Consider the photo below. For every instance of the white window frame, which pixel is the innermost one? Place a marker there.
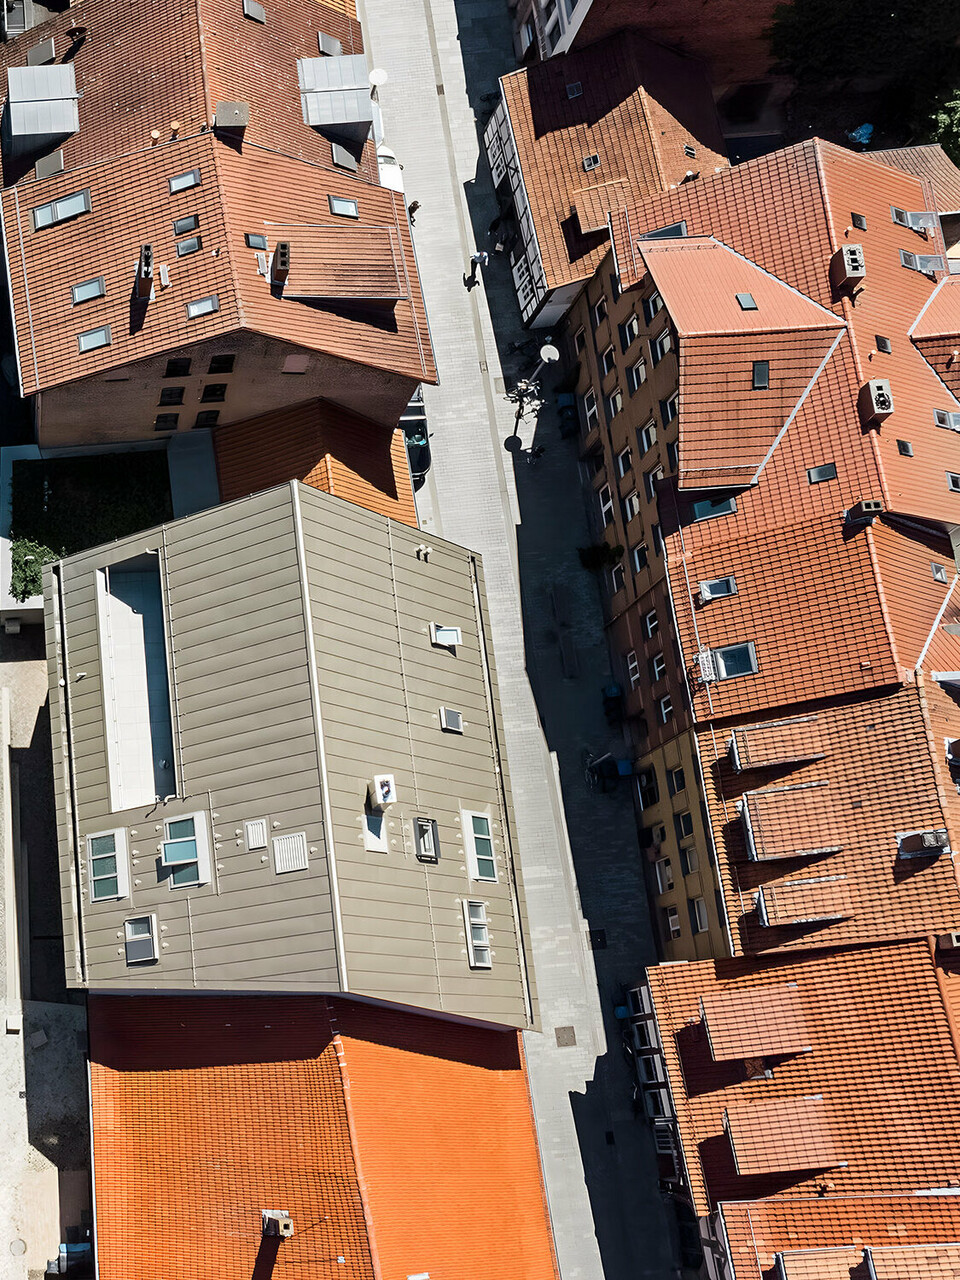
(479, 954)
(672, 785)
(635, 556)
(608, 360)
(698, 915)
(94, 339)
(664, 870)
(631, 506)
(660, 345)
(470, 845)
(671, 407)
(682, 832)
(674, 927)
(426, 834)
(617, 578)
(78, 294)
(201, 838)
(184, 181)
(633, 668)
(714, 588)
(343, 207)
(652, 306)
(62, 209)
(120, 854)
(665, 708)
(599, 312)
(444, 636)
(689, 862)
(606, 504)
(580, 341)
(207, 306)
(591, 412)
(614, 403)
(651, 623)
(624, 461)
(648, 436)
(659, 666)
(153, 935)
(638, 374)
(953, 481)
(719, 660)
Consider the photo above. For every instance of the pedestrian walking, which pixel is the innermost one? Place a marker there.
(479, 259)
(412, 211)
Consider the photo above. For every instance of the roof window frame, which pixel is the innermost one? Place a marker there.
(197, 308)
(185, 181)
(57, 214)
(90, 334)
(90, 297)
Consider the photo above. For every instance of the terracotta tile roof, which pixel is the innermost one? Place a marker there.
(903, 1227)
(790, 821)
(885, 770)
(256, 188)
(323, 445)
(593, 204)
(769, 1135)
(209, 1109)
(883, 1066)
(932, 163)
(749, 1024)
(777, 742)
(639, 107)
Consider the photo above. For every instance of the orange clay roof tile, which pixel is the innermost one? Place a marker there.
(350, 1118)
(791, 821)
(883, 1064)
(323, 445)
(932, 163)
(748, 1024)
(901, 1230)
(639, 106)
(777, 742)
(886, 772)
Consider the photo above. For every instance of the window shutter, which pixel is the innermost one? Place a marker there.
(290, 853)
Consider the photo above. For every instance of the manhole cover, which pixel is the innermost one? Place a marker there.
(566, 1036)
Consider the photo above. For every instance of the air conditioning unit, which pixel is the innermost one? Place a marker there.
(947, 418)
(276, 1222)
(849, 265)
(864, 511)
(949, 941)
(922, 844)
(876, 400)
(919, 221)
(383, 790)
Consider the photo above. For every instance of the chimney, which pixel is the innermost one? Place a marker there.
(145, 271)
(280, 268)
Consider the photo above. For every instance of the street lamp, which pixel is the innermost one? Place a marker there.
(548, 355)
(377, 77)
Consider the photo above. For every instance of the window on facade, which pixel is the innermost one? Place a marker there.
(707, 508)
(688, 860)
(953, 481)
(615, 290)
(659, 346)
(658, 667)
(666, 708)
(735, 660)
(651, 306)
(222, 364)
(178, 367)
(605, 498)
(599, 312)
(214, 393)
(608, 361)
(478, 935)
(617, 578)
(481, 861)
(761, 375)
(184, 851)
(107, 861)
(638, 557)
(673, 454)
(166, 421)
(171, 395)
(651, 623)
(648, 792)
(87, 290)
(428, 840)
(579, 341)
(817, 475)
(633, 668)
(676, 781)
(93, 339)
(647, 437)
(669, 409)
(614, 403)
(671, 919)
(683, 824)
(184, 181)
(207, 418)
(638, 375)
(656, 537)
(631, 506)
(591, 415)
(140, 939)
(698, 915)
(629, 332)
(650, 479)
(66, 207)
(623, 461)
(342, 207)
(664, 875)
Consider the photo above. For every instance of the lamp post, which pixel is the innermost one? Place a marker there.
(526, 390)
(548, 355)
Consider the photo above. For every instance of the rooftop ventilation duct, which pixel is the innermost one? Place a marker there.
(335, 96)
(41, 107)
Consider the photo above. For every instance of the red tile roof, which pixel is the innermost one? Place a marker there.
(931, 163)
(748, 1024)
(883, 1068)
(639, 107)
(207, 1110)
(279, 180)
(323, 445)
(902, 1230)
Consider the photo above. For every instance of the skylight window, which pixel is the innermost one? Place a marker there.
(590, 162)
(251, 9)
(905, 448)
(953, 481)
(747, 302)
(884, 345)
(816, 475)
(926, 263)
(182, 225)
(254, 240)
(939, 572)
(574, 90)
(690, 151)
(71, 206)
(858, 221)
(192, 244)
(343, 207)
(203, 306)
(88, 289)
(94, 338)
(761, 375)
(184, 181)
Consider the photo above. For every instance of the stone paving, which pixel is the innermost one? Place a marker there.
(442, 58)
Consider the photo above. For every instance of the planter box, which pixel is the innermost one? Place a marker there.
(30, 611)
